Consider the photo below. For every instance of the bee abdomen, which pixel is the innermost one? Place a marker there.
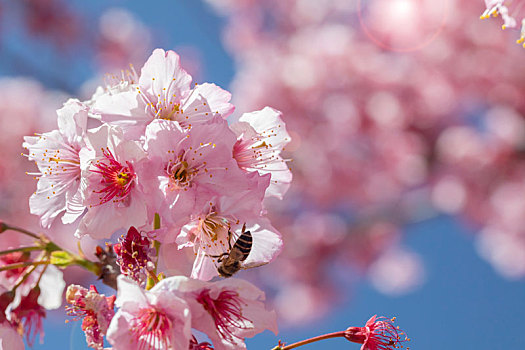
(244, 244)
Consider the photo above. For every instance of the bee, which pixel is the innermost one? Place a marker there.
(231, 261)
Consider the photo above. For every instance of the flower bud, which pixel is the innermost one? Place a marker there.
(378, 333)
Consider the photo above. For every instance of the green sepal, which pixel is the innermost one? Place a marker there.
(61, 258)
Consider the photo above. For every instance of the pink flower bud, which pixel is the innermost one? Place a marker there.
(379, 333)
(95, 310)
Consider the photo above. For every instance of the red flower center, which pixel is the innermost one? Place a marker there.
(152, 328)
(117, 179)
(226, 311)
(133, 254)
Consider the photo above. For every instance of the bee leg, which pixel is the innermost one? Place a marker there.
(252, 265)
(218, 257)
(229, 240)
(221, 257)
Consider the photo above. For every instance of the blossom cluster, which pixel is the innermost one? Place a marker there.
(26, 292)
(164, 316)
(151, 145)
(153, 157)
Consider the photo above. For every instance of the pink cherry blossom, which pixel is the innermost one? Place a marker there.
(163, 92)
(227, 311)
(261, 136)
(30, 313)
(379, 333)
(215, 229)
(10, 276)
(95, 310)
(50, 282)
(154, 319)
(188, 167)
(113, 85)
(56, 154)
(111, 191)
(55, 21)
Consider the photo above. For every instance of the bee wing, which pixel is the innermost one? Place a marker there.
(252, 265)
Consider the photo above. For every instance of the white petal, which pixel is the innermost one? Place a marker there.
(268, 123)
(74, 207)
(217, 99)
(118, 333)
(267, 242)
(51, 288)
(47, 202)
(281, 178)
(72, 119)
(102, 221)
(124, 108)
(203, 267)
(129, 291)
(161, 71)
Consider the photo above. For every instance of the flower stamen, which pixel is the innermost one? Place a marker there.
(116, 178)
(151, 329)
(226, 311)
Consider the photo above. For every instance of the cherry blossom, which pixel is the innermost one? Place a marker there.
(154, 319)
(215, 229)
(50, 281)
(227, 311)
(123, 39)
(27, 294)
(114, 85)
(261, 136)
(9, 336)
(162, 154)
(56, 154)
(111, 191)
(375, 141)
(163, 92)
(188, 167)
(95, 310)
(19, 116)
(379, 333)
(29, 313)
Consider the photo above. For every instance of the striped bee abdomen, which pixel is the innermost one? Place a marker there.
(244, 244)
